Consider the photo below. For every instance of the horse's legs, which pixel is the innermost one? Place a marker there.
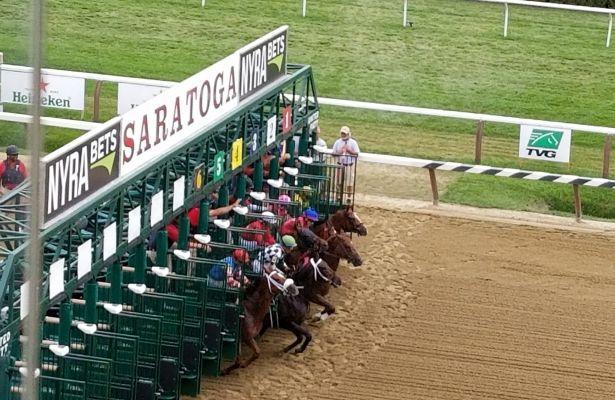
(291, 326)
(256, 352)
(238, 363)
(329, 308)
(306, 333)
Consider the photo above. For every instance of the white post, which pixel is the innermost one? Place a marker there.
(505, 19)
(304, 7)
(405, 13)
(608, 35)
(203, 3)
(1, 62)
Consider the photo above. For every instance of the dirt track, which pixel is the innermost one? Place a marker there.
(448, 308)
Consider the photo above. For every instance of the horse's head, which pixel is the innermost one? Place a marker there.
(354, 222)
(341, 246)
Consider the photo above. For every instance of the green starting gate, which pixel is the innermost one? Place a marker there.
(138, 326)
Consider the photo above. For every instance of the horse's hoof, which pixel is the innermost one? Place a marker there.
(324, 316)
(298, 351)
(317, 316)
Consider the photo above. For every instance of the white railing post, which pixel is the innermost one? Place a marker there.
(505, 19)
(202, 3)
(1, 62)
(608, 35)
(405, 22)
(304, 8)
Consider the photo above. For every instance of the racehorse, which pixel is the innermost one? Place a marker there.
(315, 278)
(256, 304)
(346, 220)
(341, 248)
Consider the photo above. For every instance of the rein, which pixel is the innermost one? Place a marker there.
(317, 272)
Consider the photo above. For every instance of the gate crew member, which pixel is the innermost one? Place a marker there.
(12, 170)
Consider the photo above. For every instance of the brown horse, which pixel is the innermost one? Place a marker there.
(256, 305)
(315, 279)
(346, 220)
(341, 248)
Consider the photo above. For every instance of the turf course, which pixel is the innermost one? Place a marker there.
(553, 66)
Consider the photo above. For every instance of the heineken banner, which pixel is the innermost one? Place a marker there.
(543, 143)
(80, 169)
(57, 91)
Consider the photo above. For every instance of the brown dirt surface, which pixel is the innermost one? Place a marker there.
(454, 308)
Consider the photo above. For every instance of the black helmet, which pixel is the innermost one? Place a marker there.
(11, 150)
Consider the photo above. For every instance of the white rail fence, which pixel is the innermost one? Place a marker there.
(480, 119)
(556, 6)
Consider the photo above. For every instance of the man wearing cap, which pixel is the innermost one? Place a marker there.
(273, 256)
(12, 170)
(293, 225)
(346, 150)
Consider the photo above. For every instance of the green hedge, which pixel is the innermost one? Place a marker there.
(588, 3)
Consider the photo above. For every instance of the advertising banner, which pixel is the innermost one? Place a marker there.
(56, 91)
(78, 170)
(262, 62)
(130, 95)
(178, 114)
(543, 143)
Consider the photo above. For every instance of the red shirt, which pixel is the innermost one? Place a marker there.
(17, 166)
(193, 216)
(265, 239)
(172, 232)
(290, 226)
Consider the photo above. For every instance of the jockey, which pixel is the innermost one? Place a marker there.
(232, 265)
(280, 209)
(293, 225)
(273, 256)
(252, 240)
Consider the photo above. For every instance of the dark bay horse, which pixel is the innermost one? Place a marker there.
(315, 279)
(256, 304)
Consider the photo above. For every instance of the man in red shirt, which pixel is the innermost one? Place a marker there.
(12, 170)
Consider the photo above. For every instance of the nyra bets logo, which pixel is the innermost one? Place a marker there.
(544, 143)
(262, 64)
(81, 170)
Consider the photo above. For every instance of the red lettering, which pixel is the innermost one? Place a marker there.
(190, 95)
(231, 86)
(177, 119)
(204, 111)
(161, 115)
(129, 143)
(218, 99)
(144, 136)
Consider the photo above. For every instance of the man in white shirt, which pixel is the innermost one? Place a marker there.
(346, 150)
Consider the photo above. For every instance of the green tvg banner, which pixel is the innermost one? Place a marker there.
(545, 143)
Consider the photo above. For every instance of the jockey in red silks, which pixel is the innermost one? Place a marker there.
(304, 221)
(259, 239)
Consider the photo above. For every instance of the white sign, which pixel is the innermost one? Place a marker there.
(131, 95)
(271, 129)
(56, 278)
(156, 212)
(134, 223)
(178, 192)
(56, 91)
(24, 307)
(151, 129)
(109, 241)
(84, 259)
(544, 143)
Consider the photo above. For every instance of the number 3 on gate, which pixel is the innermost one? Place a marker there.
(237, 153)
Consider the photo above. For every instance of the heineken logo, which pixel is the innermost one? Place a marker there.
(544, 143)
(76, 173)
(47, 101)
(262, 64)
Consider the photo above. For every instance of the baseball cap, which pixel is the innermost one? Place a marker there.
(345, 130)
(289, 241)
(241, 255)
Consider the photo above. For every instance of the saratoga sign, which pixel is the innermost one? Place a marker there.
(184, 110)
(56, 91)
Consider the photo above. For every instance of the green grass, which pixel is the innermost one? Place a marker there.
(553, 66)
